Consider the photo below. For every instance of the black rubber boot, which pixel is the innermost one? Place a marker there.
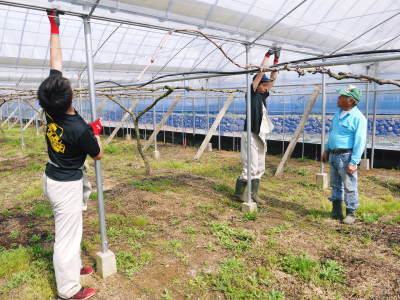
(255, 185)
(337, 212)
(239, 189)
(350, 217)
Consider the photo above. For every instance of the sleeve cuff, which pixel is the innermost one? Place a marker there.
(354, 162)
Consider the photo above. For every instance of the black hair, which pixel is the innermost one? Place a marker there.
(55, 95)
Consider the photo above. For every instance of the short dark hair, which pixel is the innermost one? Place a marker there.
(55, 95)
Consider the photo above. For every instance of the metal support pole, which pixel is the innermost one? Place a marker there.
(194, 118)
(20, 124)
(154, 127)
(163, 110)
(183, 120)
(233, 131)
(374, 128)
(207, 107)
(144, 124)
(219, 126)
(80, 96)
(283, 126)
(367, 112)
(302, 144)
(323, 119)
(92, 93)
(249, 200)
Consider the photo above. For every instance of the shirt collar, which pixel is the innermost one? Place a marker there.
(350, 112)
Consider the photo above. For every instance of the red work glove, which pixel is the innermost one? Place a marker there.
(54, 21)
(96, 127)
(277, 55)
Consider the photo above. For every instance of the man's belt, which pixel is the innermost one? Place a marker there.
(340, 151)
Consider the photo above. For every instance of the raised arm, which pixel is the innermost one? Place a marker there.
(274, 75)
(264, 62)
(55, 45)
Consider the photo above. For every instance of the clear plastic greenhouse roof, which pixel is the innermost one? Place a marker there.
(141, 44)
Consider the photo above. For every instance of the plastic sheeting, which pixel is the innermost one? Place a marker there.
(315, 27)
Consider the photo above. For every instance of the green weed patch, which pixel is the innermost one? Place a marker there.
(309, 269)
(230, 238)
(235, 281)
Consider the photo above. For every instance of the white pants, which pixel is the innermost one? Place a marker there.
(258, 149)
(66, 199)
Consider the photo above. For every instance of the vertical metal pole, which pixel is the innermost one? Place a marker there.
(323, 119)
(302, 145)
(233, 131)
(128, 122)
(80, 96)
(154, 126)
(374, 128)
(207, 107)
(145, 123)
(367, 112)
(219, 126)
(194, 118)
(248, 100)
(183, 119)
(163, 110)
(283, 125)
(92, 93)
(183, 128)
(20, 124)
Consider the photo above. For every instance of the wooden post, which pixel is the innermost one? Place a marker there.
(126, 115)
(32, 106)
(13, 123)
(298, 131)
(30, 121)
(162, 123)
(9, 116)
(214, 126)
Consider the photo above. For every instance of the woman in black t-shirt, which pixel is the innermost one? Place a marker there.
(69, 140)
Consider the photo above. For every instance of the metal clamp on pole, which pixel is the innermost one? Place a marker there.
(105, 260)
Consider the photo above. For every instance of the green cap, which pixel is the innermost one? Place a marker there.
(352, 92)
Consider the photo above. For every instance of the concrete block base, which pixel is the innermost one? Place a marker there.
(156, 155)
(364, 165)
(249, 207)
(209, 147)
(128, 137)
(322, 180)
(106, 264)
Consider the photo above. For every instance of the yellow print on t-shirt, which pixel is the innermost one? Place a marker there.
(54, 134)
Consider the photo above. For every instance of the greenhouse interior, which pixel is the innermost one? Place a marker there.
(128, 169)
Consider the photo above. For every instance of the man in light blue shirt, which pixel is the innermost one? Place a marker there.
(344, 148)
